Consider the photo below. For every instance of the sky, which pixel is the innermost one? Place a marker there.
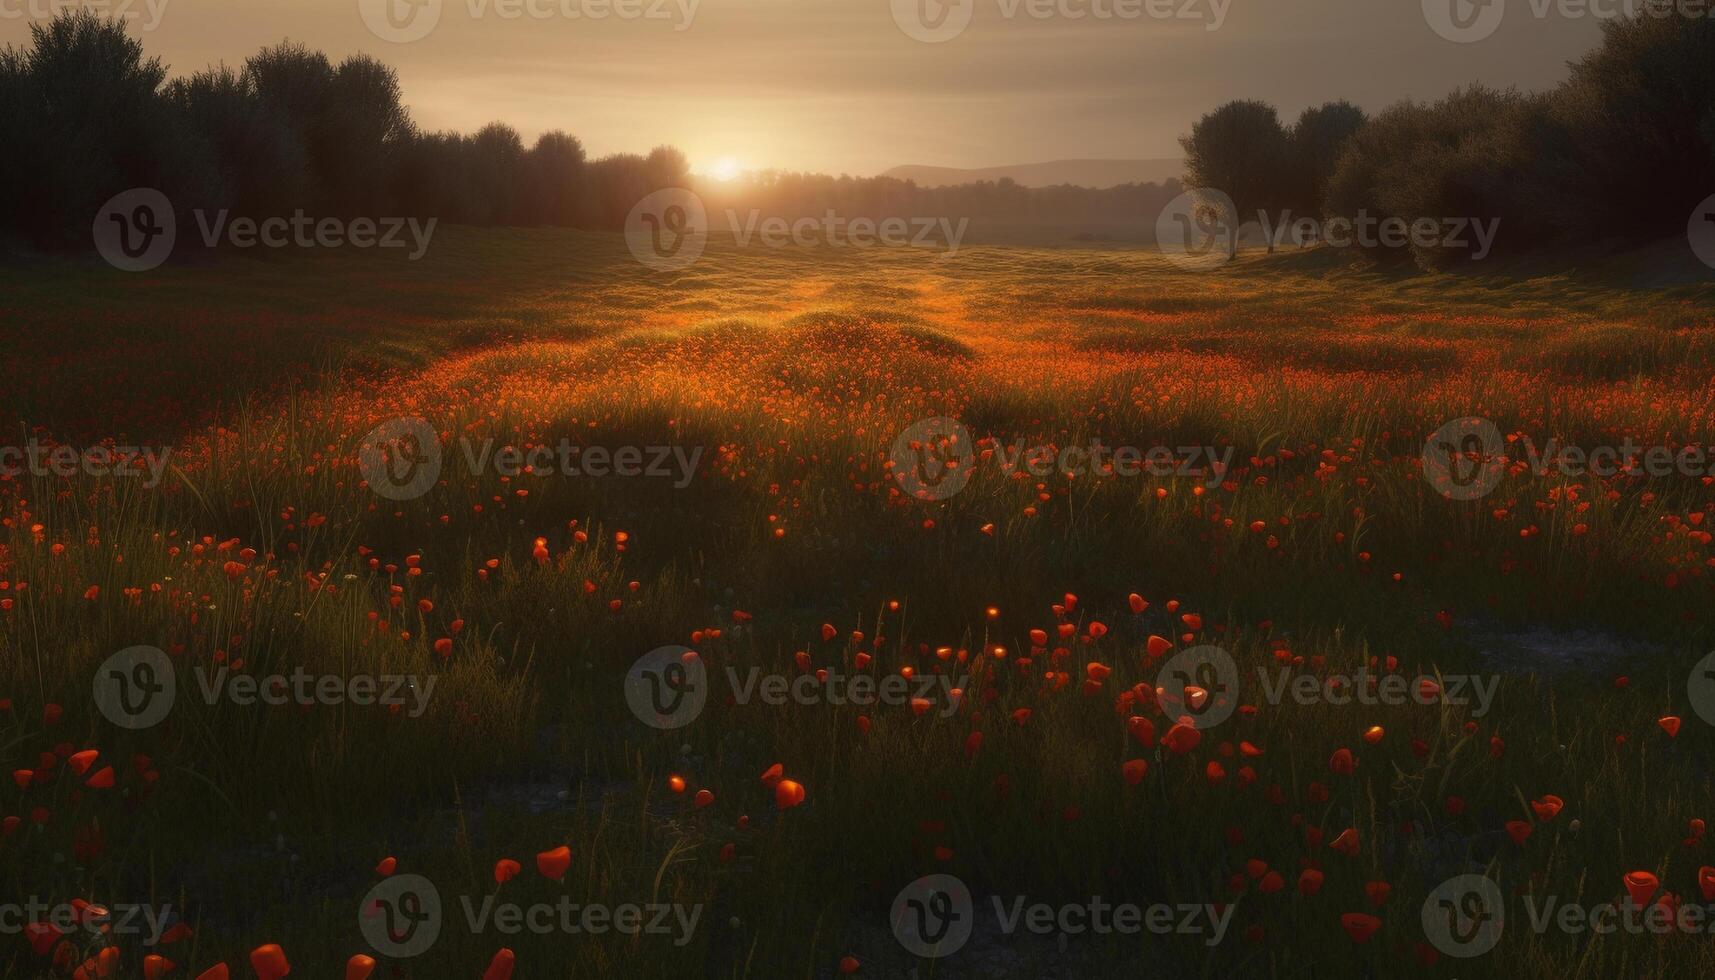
(851, 86)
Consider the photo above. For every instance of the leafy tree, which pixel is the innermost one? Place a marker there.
(1242, 150)
(1318, 139)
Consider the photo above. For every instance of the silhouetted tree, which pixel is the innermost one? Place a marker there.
(1318, 139)
(87, 124)
(1242, 150)
(556, 179)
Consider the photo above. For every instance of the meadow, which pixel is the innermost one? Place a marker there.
(1052, 601)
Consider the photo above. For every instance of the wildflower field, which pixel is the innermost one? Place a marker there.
(1286, 683)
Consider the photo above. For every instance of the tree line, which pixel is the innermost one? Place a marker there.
(1621, 152)
(88, 114)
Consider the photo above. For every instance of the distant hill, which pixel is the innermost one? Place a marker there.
(1083, 173)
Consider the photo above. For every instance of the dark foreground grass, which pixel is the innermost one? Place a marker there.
(1323, 552)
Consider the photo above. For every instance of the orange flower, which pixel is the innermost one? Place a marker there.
(500, 968)
(1360, 926)
(1342, 763)
(1640, 885)
(359, 967)
(1133, 771)
(1181, 738)
(1547, 808)
(269, 962)
(788, 794)
(1346, 843)
(554, 864)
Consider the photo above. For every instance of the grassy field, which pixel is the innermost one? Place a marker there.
(1054, 603)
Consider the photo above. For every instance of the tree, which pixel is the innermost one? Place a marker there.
(1632, 130)
(1318, 139)
(357, 135)
(556, 167)
(291, 86)
(89, 124)
(1241, 150)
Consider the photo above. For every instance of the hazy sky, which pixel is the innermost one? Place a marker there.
(838, 86)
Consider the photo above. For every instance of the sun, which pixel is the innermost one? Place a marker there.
(724, 169)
